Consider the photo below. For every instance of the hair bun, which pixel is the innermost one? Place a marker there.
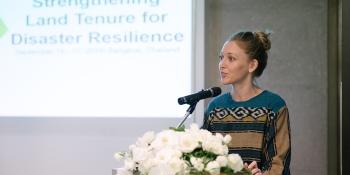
(263, 38)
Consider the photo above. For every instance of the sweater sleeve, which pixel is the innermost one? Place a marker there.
(278, 150)
(205, 121)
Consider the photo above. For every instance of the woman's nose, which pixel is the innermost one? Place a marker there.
(222, 63)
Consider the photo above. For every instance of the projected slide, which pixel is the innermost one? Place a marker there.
(95, 58)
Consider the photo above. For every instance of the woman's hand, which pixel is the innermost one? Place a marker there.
(253, 167)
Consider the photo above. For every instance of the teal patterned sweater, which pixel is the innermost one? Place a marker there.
(259, 128)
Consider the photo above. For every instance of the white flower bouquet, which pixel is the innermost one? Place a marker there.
(181, 151)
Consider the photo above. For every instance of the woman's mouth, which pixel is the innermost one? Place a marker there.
(223, 74)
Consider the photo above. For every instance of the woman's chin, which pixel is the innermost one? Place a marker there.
(225, 82)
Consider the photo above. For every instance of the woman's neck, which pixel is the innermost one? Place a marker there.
(244, 92)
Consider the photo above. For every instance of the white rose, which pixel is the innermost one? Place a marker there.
(222, 160)
(214, 144)
(176, 165)
(161, 169)
(146, 165)
(235, 162)
(195, 133)
(167, 138)
(219, 136)
(199, 166)
(224, 150)
(187, 143)
(194, 127)
(227, 139)
(197, 163)
(140, 154)
(129, 164)
(146, 139)
(122, 171)
(213, 168)
(204, 135)
(209, 144)
(166, 154)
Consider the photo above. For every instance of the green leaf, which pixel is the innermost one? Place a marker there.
(199, 153)
(179, 129)
(226, 170)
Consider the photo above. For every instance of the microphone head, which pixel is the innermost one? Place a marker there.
(215, 91)
(194, 98)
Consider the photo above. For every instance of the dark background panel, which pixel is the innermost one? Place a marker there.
(346, 85)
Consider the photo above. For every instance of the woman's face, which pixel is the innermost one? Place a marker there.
(235, 65)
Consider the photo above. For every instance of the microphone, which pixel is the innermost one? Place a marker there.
(203, 94)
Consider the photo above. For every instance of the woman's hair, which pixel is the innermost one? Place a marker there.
(256, 45)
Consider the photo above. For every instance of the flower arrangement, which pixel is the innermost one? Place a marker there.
(180, 151)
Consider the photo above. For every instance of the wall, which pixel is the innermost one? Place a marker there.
(297, 66)
(346, 85)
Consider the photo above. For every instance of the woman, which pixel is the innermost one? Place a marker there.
(256, 119)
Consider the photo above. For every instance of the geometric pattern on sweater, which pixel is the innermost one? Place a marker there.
(241, 112)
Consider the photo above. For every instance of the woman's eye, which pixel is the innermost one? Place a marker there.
(231, 58)
(221, 57)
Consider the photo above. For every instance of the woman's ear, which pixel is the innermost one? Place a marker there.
(253, 64)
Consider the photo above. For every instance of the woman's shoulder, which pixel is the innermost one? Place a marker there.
(274, 100)
(220, 100)
(274, 96)
(266, 98)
